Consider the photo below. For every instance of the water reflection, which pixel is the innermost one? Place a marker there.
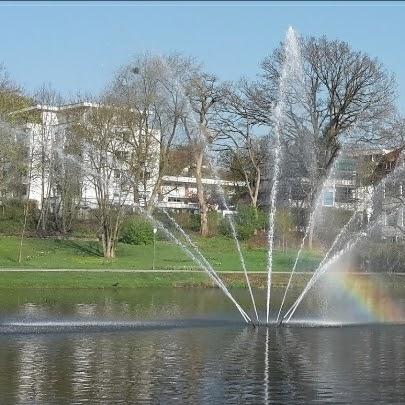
(210, 363)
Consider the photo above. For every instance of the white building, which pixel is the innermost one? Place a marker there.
(47, 133)
(179, 192)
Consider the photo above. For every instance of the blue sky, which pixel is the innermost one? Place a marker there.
(78, 46)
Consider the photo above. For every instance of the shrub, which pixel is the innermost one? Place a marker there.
(137, 231)
(213, 223)
(195, 222)
(12, 216)
(13, 209)
(188, 221)
(262, 219)
(246, 222)
(224, 227)
(381, 257)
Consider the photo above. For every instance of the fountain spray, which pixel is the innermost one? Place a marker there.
(290, 68)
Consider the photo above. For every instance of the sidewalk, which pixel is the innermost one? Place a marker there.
(171, 271)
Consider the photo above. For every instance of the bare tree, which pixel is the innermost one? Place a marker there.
(176, 70)
(342, 90)
(28, 179)
(151, 94)
(242, 150)
(101, 135)
(47, 136)
(180, 160)
(67, 180)
(203, 91)
(134, 89)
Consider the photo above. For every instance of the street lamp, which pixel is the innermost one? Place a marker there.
(154, 248)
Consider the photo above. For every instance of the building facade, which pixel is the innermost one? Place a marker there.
(46, 137)
(370, 181)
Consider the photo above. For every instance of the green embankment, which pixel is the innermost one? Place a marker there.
(86, 255)
(116, 279)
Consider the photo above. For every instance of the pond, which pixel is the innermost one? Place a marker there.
(190, 346)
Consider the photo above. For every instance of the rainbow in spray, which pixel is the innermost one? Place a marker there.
(370, 296)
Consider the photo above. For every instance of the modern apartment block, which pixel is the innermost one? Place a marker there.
(47, 132)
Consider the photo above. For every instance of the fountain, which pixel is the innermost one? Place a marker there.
(291, 73)
(328, 329)
(290, 78)
(291, 69)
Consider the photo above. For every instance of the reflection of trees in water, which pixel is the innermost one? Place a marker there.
(221, 365)
(149, 303)
(35, 370)
(31, 372)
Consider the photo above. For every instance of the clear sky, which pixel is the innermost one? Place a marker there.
(77, 46)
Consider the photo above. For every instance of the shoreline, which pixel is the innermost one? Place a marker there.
(100, 279)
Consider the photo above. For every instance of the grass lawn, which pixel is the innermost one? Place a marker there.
(118, 280)
(84, 254)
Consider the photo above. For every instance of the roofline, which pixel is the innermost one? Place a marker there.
(44, 107)
(192, 180)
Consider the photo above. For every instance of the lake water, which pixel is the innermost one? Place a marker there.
(190, 346)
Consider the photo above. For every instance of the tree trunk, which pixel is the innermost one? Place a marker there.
(108, 243)
(310, 234)
(23, 230)
(318, 186)
(255, 196)
(41, 222)
(151, 202)
(26, 208)
(200, 194)
(256, 217)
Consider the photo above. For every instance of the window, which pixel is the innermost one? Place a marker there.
(344, 194)
(345, 165)
(328, 198)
